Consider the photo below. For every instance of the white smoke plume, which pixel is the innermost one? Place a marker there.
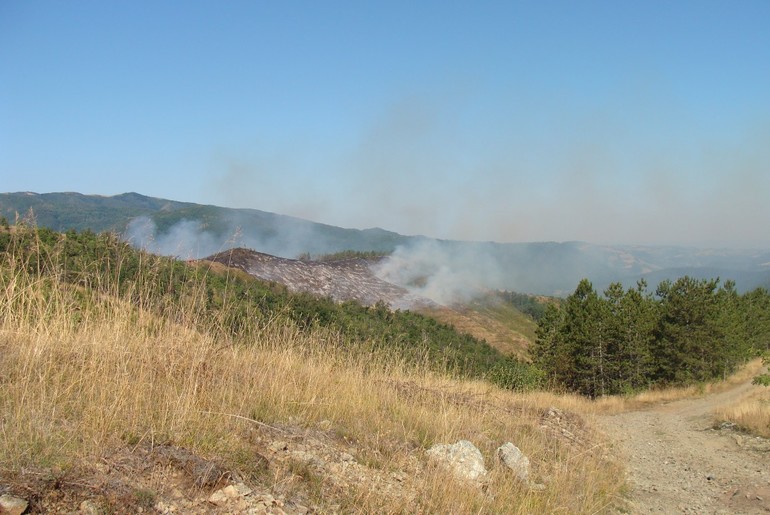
(445, 272)
(190, 239)
(186, 239)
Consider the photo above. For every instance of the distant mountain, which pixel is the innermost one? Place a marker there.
(435, 269)
(191, 230)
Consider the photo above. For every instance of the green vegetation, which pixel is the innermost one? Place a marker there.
(66, 211)
(527, 304)
(764, 378)
(691, 331)
(241, 305)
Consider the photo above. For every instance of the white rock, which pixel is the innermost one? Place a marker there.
(463, 458)
(514, 459)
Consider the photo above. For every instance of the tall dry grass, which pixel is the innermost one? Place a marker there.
(84, 372)
(751, 414)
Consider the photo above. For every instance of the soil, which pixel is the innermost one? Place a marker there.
(680, 461)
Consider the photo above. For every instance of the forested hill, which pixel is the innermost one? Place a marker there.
(212, 228)
(189, 230)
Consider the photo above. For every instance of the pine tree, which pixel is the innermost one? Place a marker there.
(688, 340)
(584, 337)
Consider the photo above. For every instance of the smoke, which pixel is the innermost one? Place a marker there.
(442, 271)
(277, 235)
(185, 239)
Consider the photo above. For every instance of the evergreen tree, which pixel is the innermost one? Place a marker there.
(688, 340)
(632, 317)
(584, 338)
(548, 351)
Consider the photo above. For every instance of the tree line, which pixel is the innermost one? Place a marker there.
(687, 331)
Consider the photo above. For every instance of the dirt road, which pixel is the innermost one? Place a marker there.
(678, 463)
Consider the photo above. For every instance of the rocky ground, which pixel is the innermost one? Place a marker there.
(292, 470)
(343, 280)
(678, 462)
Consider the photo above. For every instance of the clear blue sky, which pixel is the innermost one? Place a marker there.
(610, 122)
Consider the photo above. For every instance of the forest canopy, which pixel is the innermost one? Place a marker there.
(688, 331)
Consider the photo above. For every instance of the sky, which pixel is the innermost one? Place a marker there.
(618, 122)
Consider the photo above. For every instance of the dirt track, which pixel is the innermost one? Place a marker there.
(678, 463)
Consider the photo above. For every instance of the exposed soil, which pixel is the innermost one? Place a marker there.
(678, 462)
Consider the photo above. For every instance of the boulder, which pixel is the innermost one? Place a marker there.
(514, 459)
(462, 458)
(12, 505)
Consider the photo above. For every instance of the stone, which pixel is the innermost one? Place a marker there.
(231, 492)
(12, 505)
(512, 457)
(219, 498)
(463, 458)
(243, 490)
(88, 507)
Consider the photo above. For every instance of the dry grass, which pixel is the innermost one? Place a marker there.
(618, 403)
(80, 378)
(751, 413)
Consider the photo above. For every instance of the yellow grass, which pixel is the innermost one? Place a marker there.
(617, 403)
(78, 381)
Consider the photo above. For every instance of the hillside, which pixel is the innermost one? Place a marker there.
(191, 230)
(487, 318)
(342, 280)
(135, 383)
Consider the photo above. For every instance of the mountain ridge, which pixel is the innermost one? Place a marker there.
(190, 230)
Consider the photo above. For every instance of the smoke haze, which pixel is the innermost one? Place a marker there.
(441, 271)
(190, 239)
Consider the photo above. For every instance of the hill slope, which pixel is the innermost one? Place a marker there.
(487, 318)
(193, 231)
(132, 383)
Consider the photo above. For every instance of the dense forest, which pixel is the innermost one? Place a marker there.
(688, 331)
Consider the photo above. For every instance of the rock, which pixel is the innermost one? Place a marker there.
(219, 498)
(88, 507)
(243, 490)
(463, 458)
(162, 507)
(10, 505)
(514, 459)
(231, 492)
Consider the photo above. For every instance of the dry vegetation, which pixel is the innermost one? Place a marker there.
(86, 377)
(752, 413)
(503, 327)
